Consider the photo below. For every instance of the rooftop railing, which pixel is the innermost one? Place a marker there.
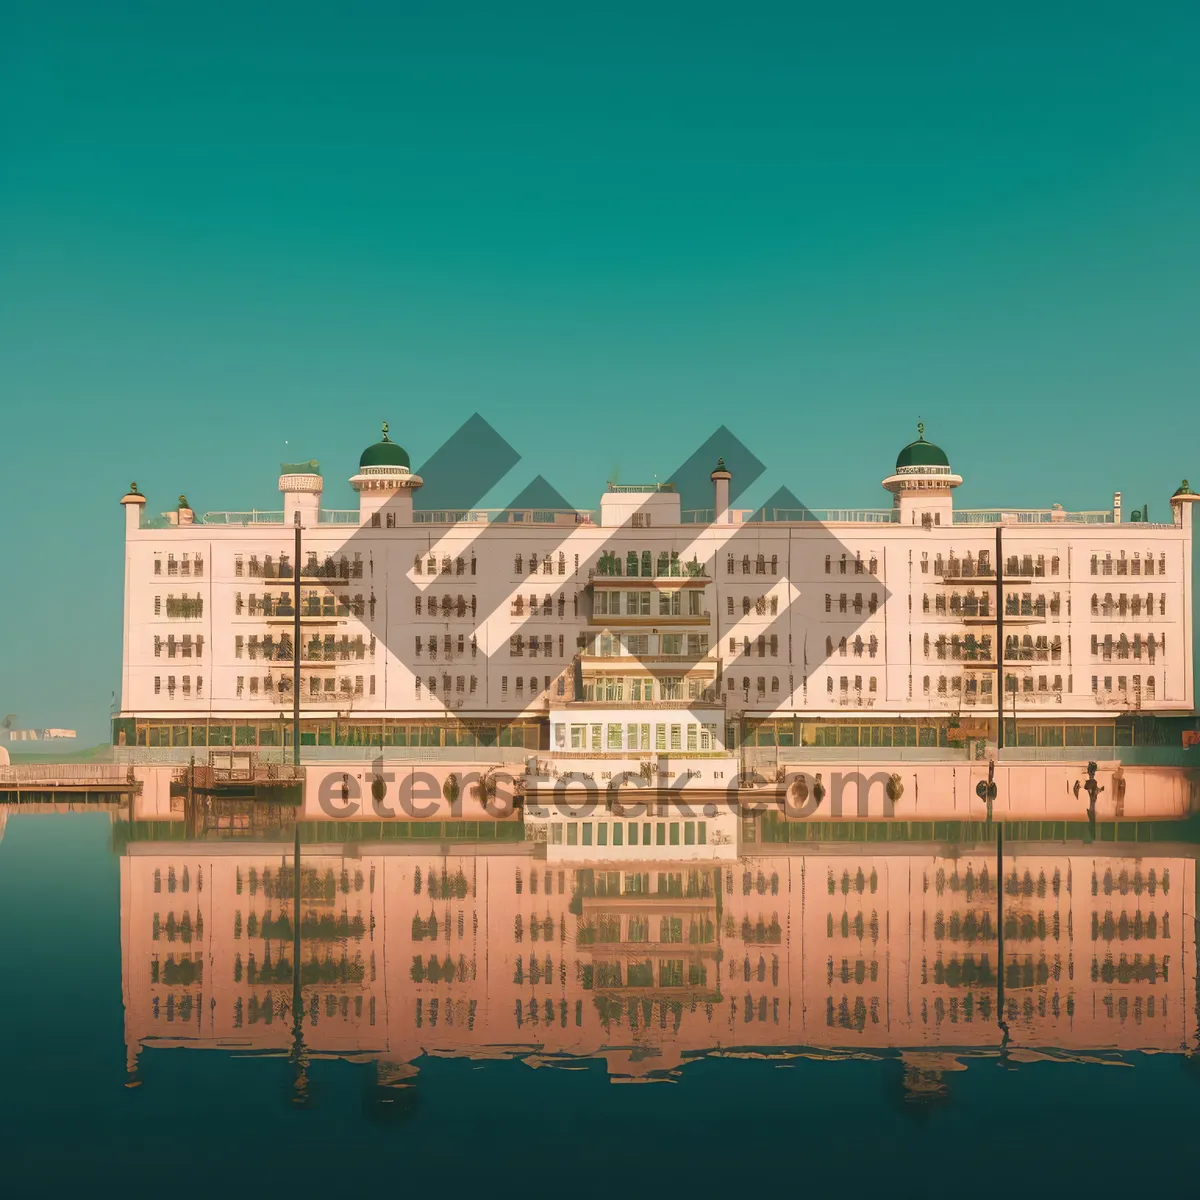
(1030, 516)
(504, 516)
(805, 516)
(691, 516)
(255, 516)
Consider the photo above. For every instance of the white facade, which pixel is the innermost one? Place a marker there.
(647, 629)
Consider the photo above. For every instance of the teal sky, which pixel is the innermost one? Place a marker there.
(227, 225)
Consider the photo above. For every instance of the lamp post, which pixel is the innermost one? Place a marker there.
(296, 651)
(986, 791)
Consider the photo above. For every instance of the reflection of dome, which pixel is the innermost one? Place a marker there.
(384, 453)
(921, 454)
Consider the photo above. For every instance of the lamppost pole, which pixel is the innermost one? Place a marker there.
(999, 642)
(296, 650)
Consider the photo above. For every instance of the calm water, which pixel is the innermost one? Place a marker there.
(486, 1020)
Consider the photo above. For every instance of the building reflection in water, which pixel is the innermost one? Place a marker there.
(409, 951)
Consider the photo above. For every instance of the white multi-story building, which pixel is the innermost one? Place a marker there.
(639, 628)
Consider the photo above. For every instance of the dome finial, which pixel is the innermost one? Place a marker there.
(385, 431)
(920, 429)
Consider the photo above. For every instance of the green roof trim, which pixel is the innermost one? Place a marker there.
(312, 467)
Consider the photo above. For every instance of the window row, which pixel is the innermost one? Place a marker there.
(760, 685)
(973, 567)
(761, 606)
(648, 564)
(312, 604)
(460, 684)
(1123, 605)
(546, 564)
(638, 690)
(519, 608)
(328, 648)
(967, 648)
(613, 736)
(181, 647)
(607, 603)
(315, 566)
(452, 645)
(519, 644)
(535, 688)
(857, 645)
(185, 566)
(641, 645)
(1025, 647)
(763, 644)
(1029, 566)
(458, 606)
(1125, 647)
(847, 603)
(844, 682)
(1132, 566)
(958, 605)
(844, 562)
(184, 680)
(186, 608)
(429, 565)
(629, 833)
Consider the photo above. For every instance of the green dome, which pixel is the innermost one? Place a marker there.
(921, 453)
(385, 453)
